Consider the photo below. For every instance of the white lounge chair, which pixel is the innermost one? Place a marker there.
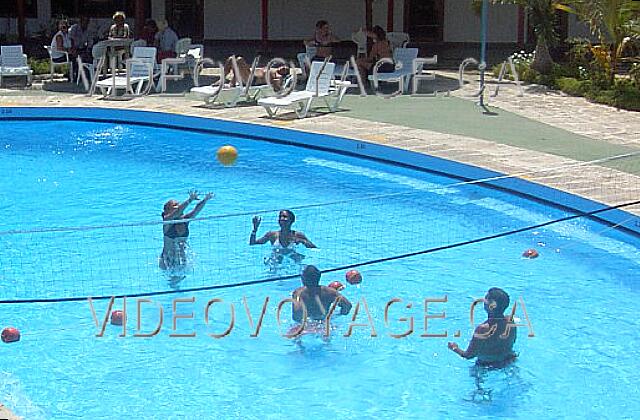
(13, 63)
(229, 95)
(318, 86)
(140, 70)
(403, 59)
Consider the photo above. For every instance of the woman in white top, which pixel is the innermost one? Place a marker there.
(61, 44)
(284, 240)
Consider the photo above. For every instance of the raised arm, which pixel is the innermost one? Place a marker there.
(252, 238)
(177, 213)
(193, 213)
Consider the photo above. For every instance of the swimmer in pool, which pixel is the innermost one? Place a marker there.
(176, 234)
(284, 240)
(315, 298)
(492, 342)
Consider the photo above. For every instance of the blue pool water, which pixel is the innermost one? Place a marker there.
(102, 187)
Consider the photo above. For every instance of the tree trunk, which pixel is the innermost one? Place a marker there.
(542, 63)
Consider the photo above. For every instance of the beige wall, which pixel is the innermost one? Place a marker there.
(296, 19)
(461, 24)
(239, 19)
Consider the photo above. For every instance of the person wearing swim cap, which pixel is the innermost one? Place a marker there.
(492, 342)
(315, 298)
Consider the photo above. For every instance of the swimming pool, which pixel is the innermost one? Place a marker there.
(103, 185)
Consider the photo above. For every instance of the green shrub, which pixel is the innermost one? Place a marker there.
(572, 86)
(627, 95)
(39, 66)
(634, 74)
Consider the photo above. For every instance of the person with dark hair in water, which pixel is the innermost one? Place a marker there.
(175, 234)
(284, 240)
(492, 342)
(316, 299)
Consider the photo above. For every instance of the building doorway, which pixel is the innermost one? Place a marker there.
(424, 20)
(186, 18)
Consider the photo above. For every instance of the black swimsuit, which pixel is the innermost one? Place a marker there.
(172, 231)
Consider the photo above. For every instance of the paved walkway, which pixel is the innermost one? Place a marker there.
(543, 136)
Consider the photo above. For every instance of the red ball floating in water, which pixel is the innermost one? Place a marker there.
(530, 253)
(10, 334)
(117, 317)
(354, 277)
(336, 285)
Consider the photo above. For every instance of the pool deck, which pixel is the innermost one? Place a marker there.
(543, 136)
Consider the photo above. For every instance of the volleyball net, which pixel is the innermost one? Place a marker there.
(74, 262)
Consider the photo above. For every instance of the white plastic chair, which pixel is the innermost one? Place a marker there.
(398, 39)
(318, 86)
(140, 70)
(52, 64)
(137, 43)
(360, 38)
(182, 46)
(14, 63)
(403, 59)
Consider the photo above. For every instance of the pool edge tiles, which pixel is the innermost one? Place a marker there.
(618, 218)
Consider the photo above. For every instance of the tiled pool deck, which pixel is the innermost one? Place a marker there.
(543, 135)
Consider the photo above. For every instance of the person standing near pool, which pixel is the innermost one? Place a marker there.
(283, 240)
(492, 342)
(316, 299)
(176, 234)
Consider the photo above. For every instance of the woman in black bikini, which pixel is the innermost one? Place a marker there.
(176, 234)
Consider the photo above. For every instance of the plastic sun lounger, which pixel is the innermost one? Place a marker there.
(13, 63)
(229, 95)
(318, 86)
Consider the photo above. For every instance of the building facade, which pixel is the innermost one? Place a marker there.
(440, 21)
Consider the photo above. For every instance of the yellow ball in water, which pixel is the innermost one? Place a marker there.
(227, 155)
